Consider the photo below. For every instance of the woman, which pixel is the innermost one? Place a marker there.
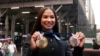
(46, 26)
(47, 23)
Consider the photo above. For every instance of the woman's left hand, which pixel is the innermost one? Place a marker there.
(81, 37)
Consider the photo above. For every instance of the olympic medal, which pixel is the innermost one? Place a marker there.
(74, 42)
(42, 43)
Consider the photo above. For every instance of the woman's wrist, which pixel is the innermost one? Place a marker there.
(33, 44)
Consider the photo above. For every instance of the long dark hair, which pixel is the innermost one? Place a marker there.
(37, 25)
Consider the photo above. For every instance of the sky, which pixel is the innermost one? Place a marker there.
(96, 8)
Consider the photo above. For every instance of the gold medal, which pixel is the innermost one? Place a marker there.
(42, 42)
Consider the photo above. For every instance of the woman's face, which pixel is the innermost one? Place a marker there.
(48, 20)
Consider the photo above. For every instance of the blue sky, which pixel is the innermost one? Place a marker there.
(96, 9)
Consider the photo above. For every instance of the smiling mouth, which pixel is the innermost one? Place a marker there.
(50, 24)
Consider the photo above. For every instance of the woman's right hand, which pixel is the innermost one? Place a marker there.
(35, 36)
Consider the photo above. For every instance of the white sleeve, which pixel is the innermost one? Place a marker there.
(14, 45)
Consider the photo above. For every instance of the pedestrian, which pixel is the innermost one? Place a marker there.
(1, 54)
(11, 48)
